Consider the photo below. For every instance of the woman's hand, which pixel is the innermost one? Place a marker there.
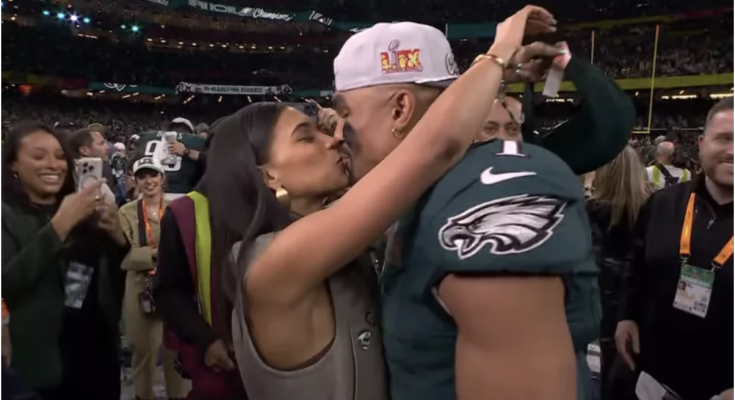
(75, 208)
(108, 221)
(531, 20)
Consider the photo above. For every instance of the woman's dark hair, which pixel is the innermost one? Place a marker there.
(12, 188)
(241, 206)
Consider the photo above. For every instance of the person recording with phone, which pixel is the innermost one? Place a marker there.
(140, 220)
(85, 143)
(61, 277)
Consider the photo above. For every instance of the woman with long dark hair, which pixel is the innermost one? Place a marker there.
(61, 277)
(263, 149)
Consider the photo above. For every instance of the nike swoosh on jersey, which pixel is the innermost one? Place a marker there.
(488, 178)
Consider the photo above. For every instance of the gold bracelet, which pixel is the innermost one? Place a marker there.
(492, 57)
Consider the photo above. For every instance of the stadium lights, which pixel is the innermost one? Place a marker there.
(85, 20)
(219, 100)
(60, 16)
(250, 100)
(73, 18)
(134, 28)
(46, 13)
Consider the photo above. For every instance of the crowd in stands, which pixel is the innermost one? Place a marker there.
(686, 48)
(679, 120)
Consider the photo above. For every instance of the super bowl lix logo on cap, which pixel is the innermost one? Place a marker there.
(395, 60)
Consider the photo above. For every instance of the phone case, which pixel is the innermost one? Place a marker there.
(89, 172)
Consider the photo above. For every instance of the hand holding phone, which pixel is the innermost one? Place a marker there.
(75, 208)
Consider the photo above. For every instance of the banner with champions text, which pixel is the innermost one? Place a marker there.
(204, 88)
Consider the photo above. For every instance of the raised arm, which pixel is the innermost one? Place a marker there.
(315, 247)
(600, 130)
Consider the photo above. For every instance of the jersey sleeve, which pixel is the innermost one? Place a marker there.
(526, 225)
(194, 142)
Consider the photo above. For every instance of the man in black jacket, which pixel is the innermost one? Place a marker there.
(676, 316)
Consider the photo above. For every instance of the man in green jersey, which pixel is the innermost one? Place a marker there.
(489, 285)
(180, 158)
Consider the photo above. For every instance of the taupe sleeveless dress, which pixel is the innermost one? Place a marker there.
(353, 367)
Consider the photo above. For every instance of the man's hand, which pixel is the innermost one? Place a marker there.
(625, 334)
(327, 118)
(218, 358)
(177, 148)
(531, 63)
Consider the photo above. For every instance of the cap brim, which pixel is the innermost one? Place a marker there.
(439, 84)
(147, 167)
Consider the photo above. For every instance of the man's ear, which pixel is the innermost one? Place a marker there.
(84, 151)
(270, 177)
(404, 111)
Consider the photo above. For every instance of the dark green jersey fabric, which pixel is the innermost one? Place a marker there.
(597, 132)
(182, 174)
(506, 208)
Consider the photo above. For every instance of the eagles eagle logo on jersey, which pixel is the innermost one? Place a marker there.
(509, 225)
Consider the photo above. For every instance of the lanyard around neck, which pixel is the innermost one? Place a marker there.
(146, 222)
(685, 243)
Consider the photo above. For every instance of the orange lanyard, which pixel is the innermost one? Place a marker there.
(148, 230)
(685, 244)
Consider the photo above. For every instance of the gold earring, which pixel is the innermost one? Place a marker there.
(282, 196)
(396, 133)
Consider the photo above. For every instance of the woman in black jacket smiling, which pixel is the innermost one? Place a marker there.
(61, 277)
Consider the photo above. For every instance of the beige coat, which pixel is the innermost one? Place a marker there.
(144, 333)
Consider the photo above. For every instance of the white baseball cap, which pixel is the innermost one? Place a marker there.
(147, 163)
(390, 53)
(183, 121)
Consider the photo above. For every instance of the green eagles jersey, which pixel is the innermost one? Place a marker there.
(182, 173)
(507, 207)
